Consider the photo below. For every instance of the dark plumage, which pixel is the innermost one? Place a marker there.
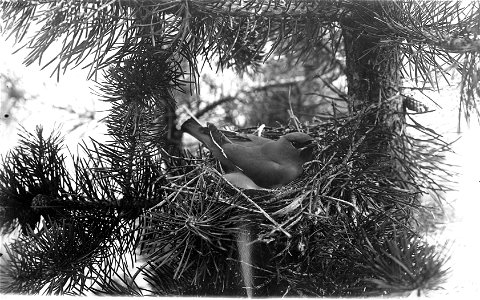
(267, 163)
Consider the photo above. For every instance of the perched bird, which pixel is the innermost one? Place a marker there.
(254, 162)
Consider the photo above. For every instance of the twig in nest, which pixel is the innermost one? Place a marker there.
(263, 212)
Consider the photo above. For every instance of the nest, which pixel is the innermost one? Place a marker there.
(351, 201)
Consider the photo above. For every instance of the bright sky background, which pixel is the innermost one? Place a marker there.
(74, 91)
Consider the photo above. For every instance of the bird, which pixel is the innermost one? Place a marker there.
(251, 161)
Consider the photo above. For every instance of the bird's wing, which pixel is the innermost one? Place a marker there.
(245, 139)
(259, 166)
(236, 137)
(205, 135)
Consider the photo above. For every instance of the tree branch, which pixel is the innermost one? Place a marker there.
(264, 87)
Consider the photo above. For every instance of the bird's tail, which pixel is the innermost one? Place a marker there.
(192, 127)
(201, 133)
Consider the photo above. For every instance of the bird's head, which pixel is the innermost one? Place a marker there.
(303, 142)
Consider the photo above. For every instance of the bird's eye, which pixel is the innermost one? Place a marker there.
(295, 144)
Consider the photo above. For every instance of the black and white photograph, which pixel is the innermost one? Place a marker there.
(240, 148)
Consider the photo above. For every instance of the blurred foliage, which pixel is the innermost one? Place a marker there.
(303, 89)
(12, 94)
(16, 98)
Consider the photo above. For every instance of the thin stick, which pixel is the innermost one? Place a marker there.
(342, 201)
(259, 130)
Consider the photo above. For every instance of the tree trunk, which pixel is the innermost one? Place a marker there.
(373, 70)
(373, 77)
